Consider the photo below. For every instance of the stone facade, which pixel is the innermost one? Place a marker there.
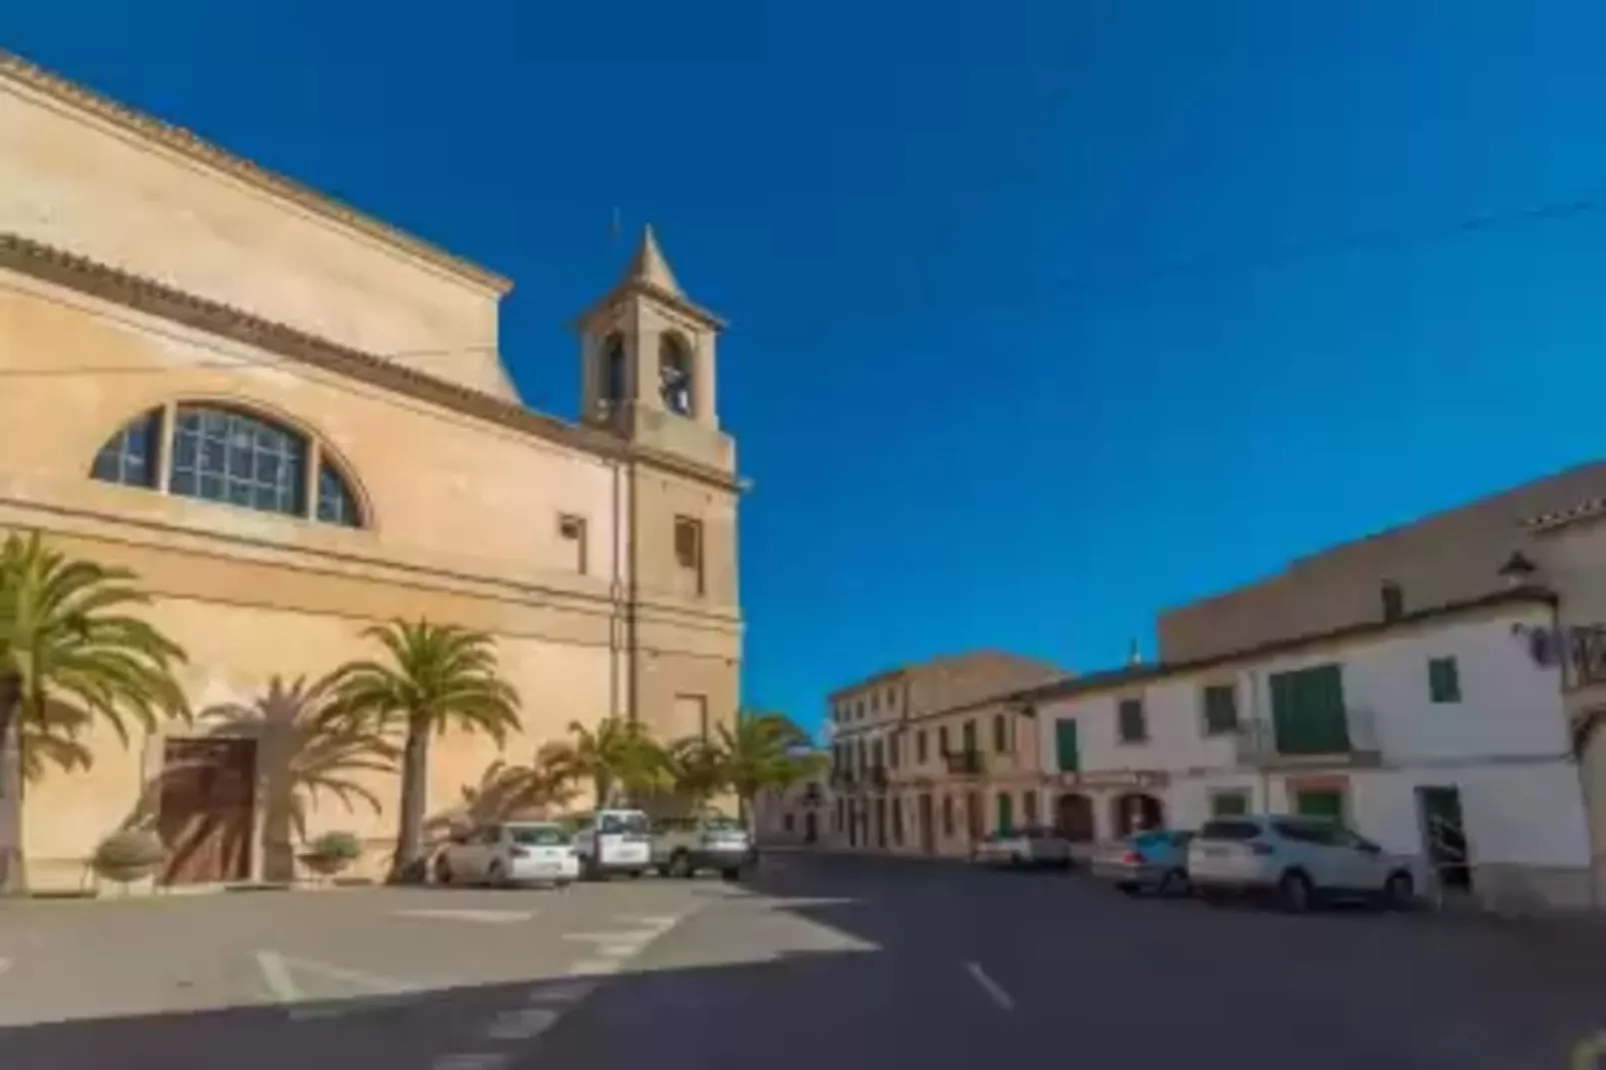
(143, 271)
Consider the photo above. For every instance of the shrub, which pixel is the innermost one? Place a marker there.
(129, 851)
(336, 845)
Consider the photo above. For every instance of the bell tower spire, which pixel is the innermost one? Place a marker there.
(648, 360)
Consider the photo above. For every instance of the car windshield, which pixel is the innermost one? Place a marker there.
(538, 835)
(1229, 830)
(719, 823)
(615, 824)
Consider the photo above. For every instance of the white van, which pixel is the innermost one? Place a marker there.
(613, 841)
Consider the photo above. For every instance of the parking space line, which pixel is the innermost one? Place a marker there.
(994, 990)
(522, 1024)
(277, 977)
(592, 967)
(636, 937)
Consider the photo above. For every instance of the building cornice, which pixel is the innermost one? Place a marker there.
(94, 279)
(177, 139)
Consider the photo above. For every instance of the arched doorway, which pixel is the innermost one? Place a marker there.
(1136, 811)
(1073, 817)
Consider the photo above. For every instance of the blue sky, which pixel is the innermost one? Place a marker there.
(1044, 316)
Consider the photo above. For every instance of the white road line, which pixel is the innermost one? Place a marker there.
(5, 965)
(487, 917)
(594, 967)
(277, 977)
(470, 1061)
(524, 1024)
(994, 990)
(661, 923)
(564, 992)
(618, 951)
(635, 936)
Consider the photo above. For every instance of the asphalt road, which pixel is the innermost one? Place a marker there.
(816, 962)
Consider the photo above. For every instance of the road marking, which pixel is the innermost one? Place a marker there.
(563, 992)
(618, 951)
(277, 976)
(470, 1061)
(5, 965)
(635, 936)
(660, 923)
(487, 917)
(278, 973)
(593, 967)
(524, 1024)
(993, 989)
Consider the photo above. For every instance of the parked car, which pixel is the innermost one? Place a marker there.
(512, 852)
(1301, 860)
(681, 846)
(613, 841)
(1154, 861)
(1031, 846)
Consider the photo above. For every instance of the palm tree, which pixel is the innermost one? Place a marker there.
(764, 750)
(70, 657)
(619, 756)
(439, 677)
(307, 745)
(698, 768)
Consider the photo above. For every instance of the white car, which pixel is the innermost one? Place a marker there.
(512, 852)
(1034, 846)
(613, 841)
(1299, 859)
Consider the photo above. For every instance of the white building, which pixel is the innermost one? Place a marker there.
(1424, 730)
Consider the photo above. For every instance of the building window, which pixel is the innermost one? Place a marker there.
(1307, 711)
(1132, 725)
(572, 532)
(1028, 807)
(968, 733)
(1220, 709)
(1066, 757)
(1444, 680)
(675, 374)
(858, 710)
(1229, 803)
(1000, 733)
(897, 821)
(1006, 813)
(893, 748)
(689, 550)
(1393, 601)
(942, 740)
(920, 747)
(613, 370)
(876, 755)
(892, 698)
(863, 756)
(875, 701)
(948, 816)
(786, 822)
(1323, 803)
(230, 456)
(133, 456)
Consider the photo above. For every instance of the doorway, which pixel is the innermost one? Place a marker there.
(1073, 817)
(928, 832)
(1136, 811)
(811, 829)
(881, 823)
(1444, 836)
(206, 815)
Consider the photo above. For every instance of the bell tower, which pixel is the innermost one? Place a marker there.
(649, 365)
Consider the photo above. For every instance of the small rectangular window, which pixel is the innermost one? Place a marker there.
(968, 732)
(1220, 709)
(920, 747)
(942, 740)
(1133, 727)
(572, 531)
(1000, 733)
(689, 550)
(893, 749)
(1444, 680)
(1230, 803)
(948, 816)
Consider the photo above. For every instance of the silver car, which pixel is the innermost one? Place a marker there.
(1154, 861)
(1033, 846)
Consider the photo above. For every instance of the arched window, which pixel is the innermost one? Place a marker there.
(613, 369)
(674, 373)
(229, 455)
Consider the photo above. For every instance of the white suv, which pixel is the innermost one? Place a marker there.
(1300, 859)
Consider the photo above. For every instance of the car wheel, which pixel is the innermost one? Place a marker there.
(496, 876)
(1173, 883)
(1399, 891)
(443, 870)
(680, 865)
(1294, 892)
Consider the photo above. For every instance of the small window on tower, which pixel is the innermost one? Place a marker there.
(689, 551)
(613, 370)
(572, 532)
(674, 372)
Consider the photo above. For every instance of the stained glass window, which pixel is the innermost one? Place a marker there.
(132, 456)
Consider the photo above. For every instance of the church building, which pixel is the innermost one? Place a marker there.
(292, 422)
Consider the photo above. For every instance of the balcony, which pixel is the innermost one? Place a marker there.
(1348, 737)
(963, 762)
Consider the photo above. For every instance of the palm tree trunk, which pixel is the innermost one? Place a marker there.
(407, 866)
(13, 870)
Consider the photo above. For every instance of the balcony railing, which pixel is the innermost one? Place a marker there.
(963, 762)
(1347, 736)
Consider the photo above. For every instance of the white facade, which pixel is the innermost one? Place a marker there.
(1503, 745)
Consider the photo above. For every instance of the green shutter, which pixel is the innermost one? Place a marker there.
(1006, 813)
(1307, 709)
(1220, 708)
(1067, 758)
(1324, 803)
(1444, 680)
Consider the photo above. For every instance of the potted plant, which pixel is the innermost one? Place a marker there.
(331, 853)
(128, 855)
